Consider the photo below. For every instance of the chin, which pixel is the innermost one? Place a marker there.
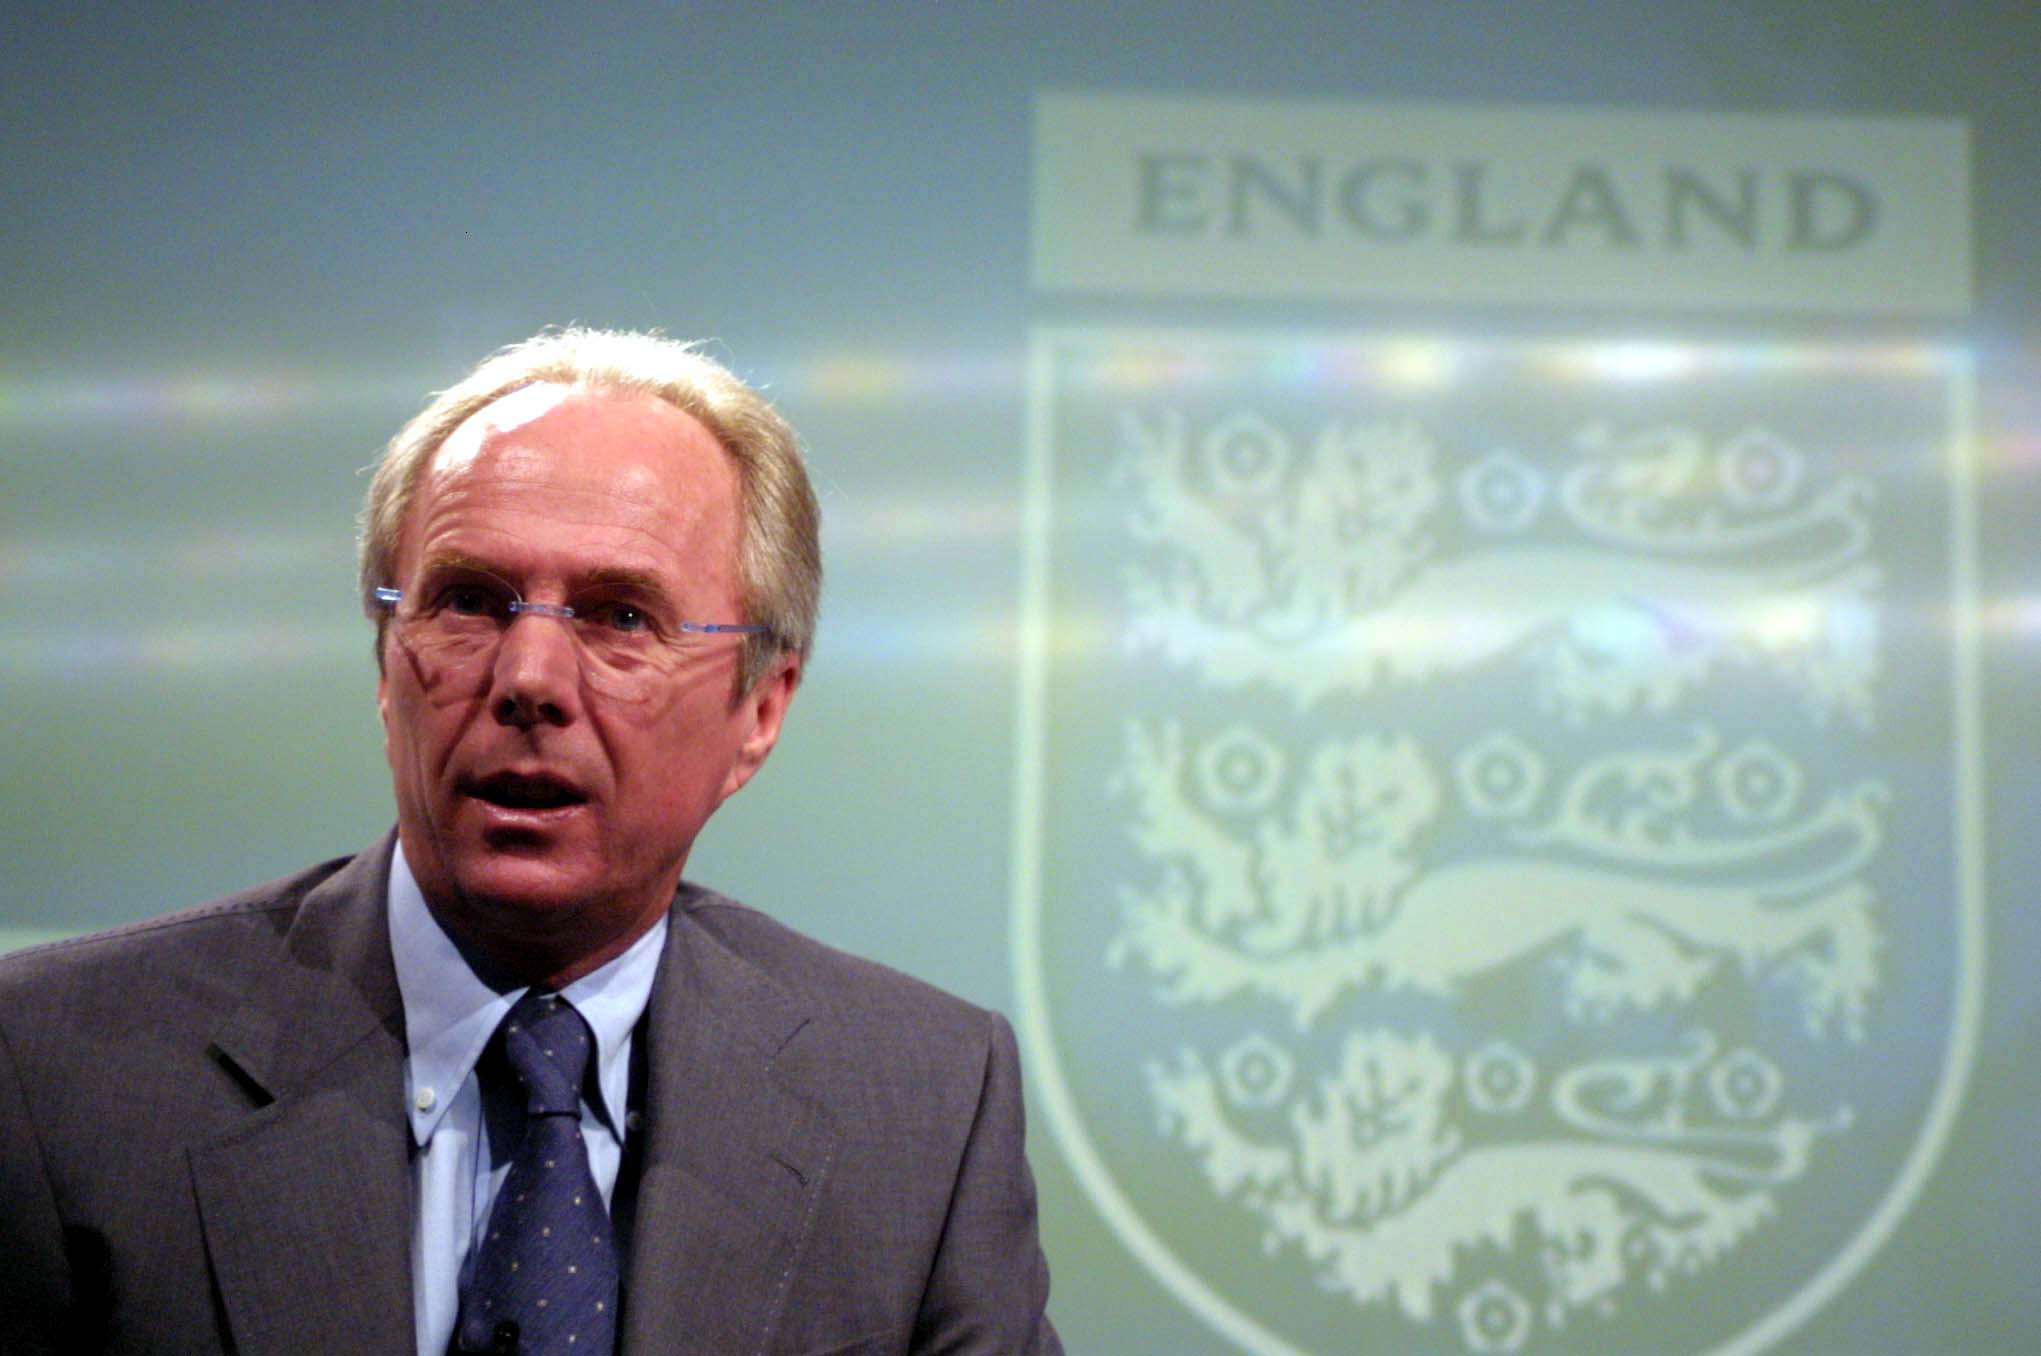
(524, 888)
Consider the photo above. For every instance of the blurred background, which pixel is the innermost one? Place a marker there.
(1438, 599)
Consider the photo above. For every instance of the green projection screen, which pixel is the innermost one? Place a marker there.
(1438, 601)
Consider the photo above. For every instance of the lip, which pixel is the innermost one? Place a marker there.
(524, 819)
(489, 792)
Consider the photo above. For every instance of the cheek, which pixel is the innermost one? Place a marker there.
(398, 723)
(415, 724)
(680, 758)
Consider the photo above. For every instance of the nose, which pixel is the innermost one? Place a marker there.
(537, 679)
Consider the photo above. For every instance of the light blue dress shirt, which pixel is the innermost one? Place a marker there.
(449, 1016)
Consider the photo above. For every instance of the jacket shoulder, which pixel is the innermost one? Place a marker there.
(203, 951)
(854, 993)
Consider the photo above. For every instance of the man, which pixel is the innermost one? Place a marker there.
(504, 1082)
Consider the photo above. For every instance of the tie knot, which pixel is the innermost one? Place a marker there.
(547, 1043)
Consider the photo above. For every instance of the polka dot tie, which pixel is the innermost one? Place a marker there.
(545, 1280)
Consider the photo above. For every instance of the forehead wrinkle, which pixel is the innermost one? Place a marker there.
(503, 476)
(537, 484)
(644, 579)
(508, 471)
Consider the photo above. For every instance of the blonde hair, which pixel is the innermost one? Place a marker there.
(779, 567)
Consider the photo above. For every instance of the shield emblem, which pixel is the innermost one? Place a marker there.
(1497, 852)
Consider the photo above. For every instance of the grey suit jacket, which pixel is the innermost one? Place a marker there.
(203, 1145)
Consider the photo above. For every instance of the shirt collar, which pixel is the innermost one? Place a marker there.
(450, 1014)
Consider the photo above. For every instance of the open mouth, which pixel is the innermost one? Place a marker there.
(525, 791)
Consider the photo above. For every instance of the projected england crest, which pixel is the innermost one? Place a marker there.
(1492, 865)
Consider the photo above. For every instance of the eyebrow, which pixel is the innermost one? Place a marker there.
(623, 577)
(445, 561)
(604, 576)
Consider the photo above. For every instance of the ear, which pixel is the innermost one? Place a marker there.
(762, 710)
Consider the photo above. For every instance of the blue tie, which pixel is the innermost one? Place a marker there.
(545, 1280)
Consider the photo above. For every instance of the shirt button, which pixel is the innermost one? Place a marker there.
(424, 1098)
(633, 1121)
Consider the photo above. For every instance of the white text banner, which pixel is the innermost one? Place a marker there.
(1471, 205)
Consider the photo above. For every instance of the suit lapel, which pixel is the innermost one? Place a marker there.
(734, 1160)
(306, 1205)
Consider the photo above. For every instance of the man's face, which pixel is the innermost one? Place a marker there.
(547, 816)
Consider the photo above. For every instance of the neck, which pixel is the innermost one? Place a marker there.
(507, 961)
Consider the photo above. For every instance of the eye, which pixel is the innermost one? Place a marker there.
(622, 618)
(470, 598)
